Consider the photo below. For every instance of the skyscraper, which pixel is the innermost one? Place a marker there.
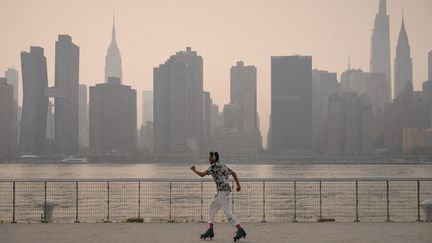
(50, 148)
(147, 106)
(403, 62)
(380, 46)
(66, 96)
(113, 64)
(113, 125)
(372, 85)
(349, 124)
(232, 116)
(178, 105)
(427, 86)
(205, 144)
(291, 104)
(35, 103)
(323, 84)
(406, 111)
(243, 92)
(12, 78)
(146, 129)
(83, 117)
(7, 120)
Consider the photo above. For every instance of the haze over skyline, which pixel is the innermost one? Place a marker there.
(222, 32)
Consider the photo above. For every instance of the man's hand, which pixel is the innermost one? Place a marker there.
(202, 174)
(238, 188)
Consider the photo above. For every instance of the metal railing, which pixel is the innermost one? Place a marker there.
(186, 200)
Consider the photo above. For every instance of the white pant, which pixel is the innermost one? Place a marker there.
(221, 201)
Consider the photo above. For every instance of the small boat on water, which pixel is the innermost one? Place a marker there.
(76, 160)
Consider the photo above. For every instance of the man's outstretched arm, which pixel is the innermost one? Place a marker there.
(234, 175)
(200, 173)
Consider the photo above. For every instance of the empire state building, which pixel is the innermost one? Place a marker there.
(113, 67)
(380, 47)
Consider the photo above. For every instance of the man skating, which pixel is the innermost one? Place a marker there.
(220, 173)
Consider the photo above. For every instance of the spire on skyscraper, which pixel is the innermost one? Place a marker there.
(382, 7)
(349, 58)
(113, 37)
(403, 61)
(403, 36)
(113, 59)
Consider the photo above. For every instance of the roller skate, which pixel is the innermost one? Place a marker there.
(208, 234)
(241, 233)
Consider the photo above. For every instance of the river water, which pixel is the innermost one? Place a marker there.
(175, 171)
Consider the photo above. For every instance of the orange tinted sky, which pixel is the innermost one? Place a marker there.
(222, 31)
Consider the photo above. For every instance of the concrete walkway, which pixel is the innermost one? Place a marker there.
(189, 232)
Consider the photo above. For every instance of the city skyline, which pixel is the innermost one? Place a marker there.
(140, 31)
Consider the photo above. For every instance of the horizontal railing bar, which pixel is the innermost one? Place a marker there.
(210, 180)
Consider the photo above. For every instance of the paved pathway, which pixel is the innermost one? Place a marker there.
(189, 232)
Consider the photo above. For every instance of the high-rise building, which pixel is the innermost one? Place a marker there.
(66, 102)
(35, 103)
(243, 92)
(147, 106)
(403, 62)
(291, 104)
(206, 136)
(12, 78)
(380, 46)
(349, 124)
(146, 138)
(345, 78)
(427, 85)
(113, 119)
(113, 63)
(240, 115)
(323, 84)
(178, 105)
(417, 139)
(232, 116)
(7, 119)
(146, 129)
(83, 117)
(406, 111)
(216, 122)
(50, 136)
(427, 92)
(373, 85)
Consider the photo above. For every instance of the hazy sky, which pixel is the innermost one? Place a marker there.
(222, 31)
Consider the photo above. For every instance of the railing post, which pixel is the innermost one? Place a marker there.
(264, 202)
(170, 202)
(356, 202)
(139, 199)
(418, 200)
(76, 203)
(45, 203)
(320, 202)
(108, 202)
(13, 203)
(295, 201)
(201, 203)
(388, 201)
